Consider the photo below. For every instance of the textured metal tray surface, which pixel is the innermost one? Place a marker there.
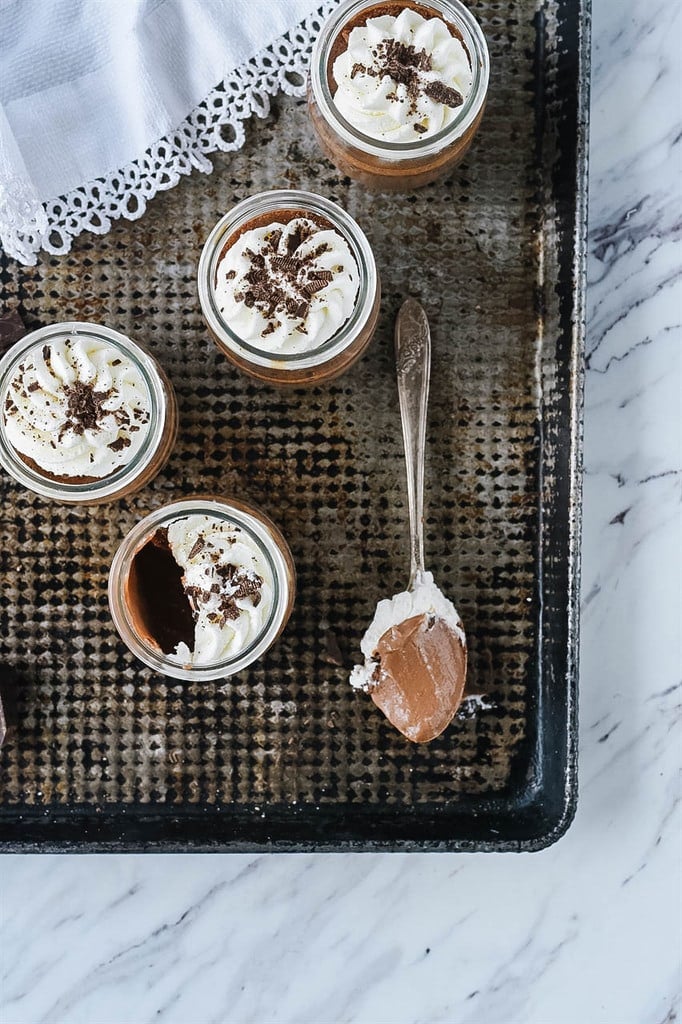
(108, 755)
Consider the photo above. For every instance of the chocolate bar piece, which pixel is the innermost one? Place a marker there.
(11, 329)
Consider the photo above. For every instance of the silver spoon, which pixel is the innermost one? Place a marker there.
(415, 648)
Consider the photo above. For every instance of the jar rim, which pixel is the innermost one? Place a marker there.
(114, 482)
(452, 11)
(271, 201)
(270, 543)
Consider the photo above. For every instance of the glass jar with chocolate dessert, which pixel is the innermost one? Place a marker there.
(289, 287)
(86, 415)
(201, 588)
(397, 89)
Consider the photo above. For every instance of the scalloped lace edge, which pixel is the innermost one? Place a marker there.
(215, 124)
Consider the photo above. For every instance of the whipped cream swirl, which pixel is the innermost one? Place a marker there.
(77, 407)
(424, 599)
(403, 78)
(228, 583)
(287, 288)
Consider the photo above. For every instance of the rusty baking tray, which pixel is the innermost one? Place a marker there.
(108, 756)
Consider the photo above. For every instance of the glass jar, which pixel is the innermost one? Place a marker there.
(264, 537)
(320, 362)
(393, 166)
(158, 432)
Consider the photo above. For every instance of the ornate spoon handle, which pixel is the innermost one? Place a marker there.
(413, 368)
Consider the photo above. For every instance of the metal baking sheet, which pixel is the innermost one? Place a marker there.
(109, 756)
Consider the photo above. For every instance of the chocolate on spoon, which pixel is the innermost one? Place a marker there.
(8, 703)
(415, 648)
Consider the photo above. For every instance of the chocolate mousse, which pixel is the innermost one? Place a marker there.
(284, 289)
(402, 62)
(86, 415)
(75, 410)
(389, 87)
(283, 273)
(198, 590)
(8, 704)
(156, 597)
(419, 676)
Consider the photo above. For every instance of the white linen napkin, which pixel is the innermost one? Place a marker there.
(87, 87)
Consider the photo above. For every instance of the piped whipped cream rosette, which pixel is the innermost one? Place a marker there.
(77, 407)
(287, 287)
(401, 78)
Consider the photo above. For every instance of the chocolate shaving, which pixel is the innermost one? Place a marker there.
(316, 283)
(236, 580)
(405, 65)
(198, 546)
(287, 264)
(332, 650)
(119, 444)
(248, 585)
(324, 276)
(439, 92)
(84, 407)
(229, 610)
(284, 282)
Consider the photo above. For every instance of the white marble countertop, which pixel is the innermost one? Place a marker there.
(587, 932)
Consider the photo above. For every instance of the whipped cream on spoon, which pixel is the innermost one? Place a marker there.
(415, 647)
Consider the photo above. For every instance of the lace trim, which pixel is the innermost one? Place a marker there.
(216, 124)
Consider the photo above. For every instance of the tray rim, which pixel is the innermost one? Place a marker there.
(128, 828)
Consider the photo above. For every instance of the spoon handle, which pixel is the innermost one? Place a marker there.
(413, 368)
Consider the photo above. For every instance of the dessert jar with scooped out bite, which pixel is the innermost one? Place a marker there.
(202, 588)
(397, 89)
(86, 414)
(289, 288)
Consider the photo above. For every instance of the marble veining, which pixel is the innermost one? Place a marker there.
(587, 931)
